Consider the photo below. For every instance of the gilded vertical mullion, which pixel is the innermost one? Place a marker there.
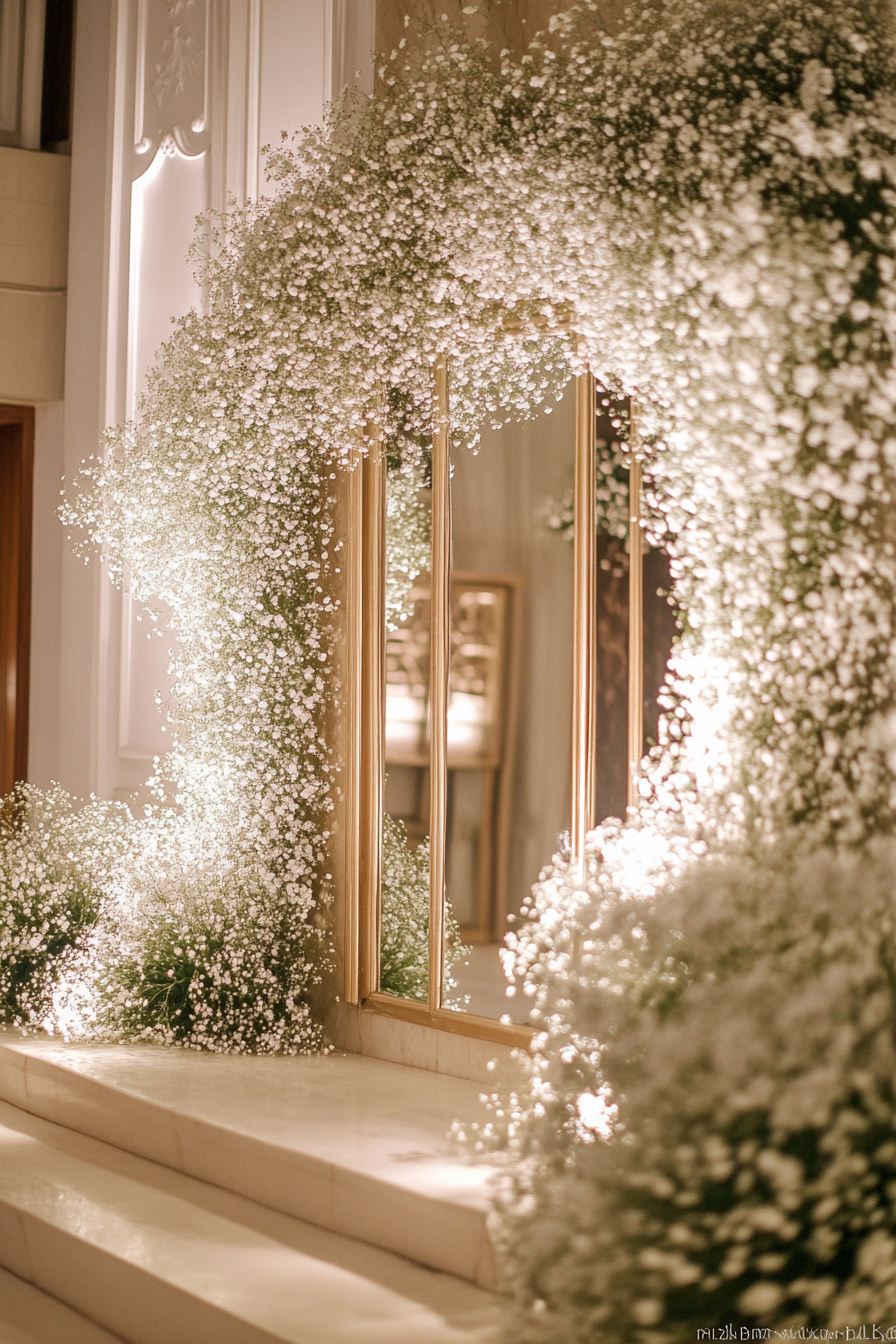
(584, 701)
(354, 630)
(635, 625)
(373, 720)
(440, 641)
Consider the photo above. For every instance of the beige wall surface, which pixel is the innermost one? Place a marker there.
(507, 24)
(32, 345)
(34, 204)
(34, 190)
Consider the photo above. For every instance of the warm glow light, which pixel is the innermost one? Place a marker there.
(596, 1114)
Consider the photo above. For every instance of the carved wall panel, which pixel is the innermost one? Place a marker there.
(201, 87)
(171, 89)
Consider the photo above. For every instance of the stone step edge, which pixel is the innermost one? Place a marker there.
(36, 1315)
(92, 1226)
(105, 1288)
(449, 1237)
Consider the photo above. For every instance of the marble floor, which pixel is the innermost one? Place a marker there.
(156, 1257)
(165, 1195)
(353, 1144)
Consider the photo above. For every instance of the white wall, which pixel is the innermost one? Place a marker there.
(171, 109)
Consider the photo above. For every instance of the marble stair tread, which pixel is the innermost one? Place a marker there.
(352, 1144)
(157, 1257)
(28, 1316)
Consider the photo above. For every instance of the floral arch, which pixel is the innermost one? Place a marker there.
(707, 201)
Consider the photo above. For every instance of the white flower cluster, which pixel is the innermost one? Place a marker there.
(404, 932)
(734, 1040)
(57, 866)
(408, 539)
(203, 958)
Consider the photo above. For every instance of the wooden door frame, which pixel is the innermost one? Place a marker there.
(23, 447)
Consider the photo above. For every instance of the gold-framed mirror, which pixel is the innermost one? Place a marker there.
(483, 698)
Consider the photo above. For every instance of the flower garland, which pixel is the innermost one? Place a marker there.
(219, 500)
(744, 252)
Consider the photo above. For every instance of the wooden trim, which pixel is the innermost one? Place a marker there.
(457, 1024)
(372, 641)
(354, 763)
(439, 658)
(15, 765)
(584, 693)
(635, 627)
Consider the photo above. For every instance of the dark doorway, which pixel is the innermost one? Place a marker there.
(56, 104)
(16, 478)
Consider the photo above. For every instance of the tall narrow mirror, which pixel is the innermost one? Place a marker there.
(617, 541)
(405, 837)
(509, 693)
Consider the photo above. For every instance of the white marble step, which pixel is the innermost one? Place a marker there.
(156, 1257)
(28, 1316)
(355, 1145)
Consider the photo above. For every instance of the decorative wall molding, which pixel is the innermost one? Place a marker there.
(201, 88)
(171, 90)
(173, 102)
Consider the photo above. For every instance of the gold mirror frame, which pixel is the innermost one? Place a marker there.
(365, 629)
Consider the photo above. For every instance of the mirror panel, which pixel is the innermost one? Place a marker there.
(510, 694)
(658, 619)
(405, 845)
(506, 653)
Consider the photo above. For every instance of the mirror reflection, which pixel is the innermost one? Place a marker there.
(508, 729)
(405, 845)
(510, 689)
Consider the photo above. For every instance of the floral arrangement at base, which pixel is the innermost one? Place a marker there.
(210, 962)
(113, 927)
(716, 1140)
(57, 865)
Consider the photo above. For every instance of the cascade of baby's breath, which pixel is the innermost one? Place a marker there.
(707, 202)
